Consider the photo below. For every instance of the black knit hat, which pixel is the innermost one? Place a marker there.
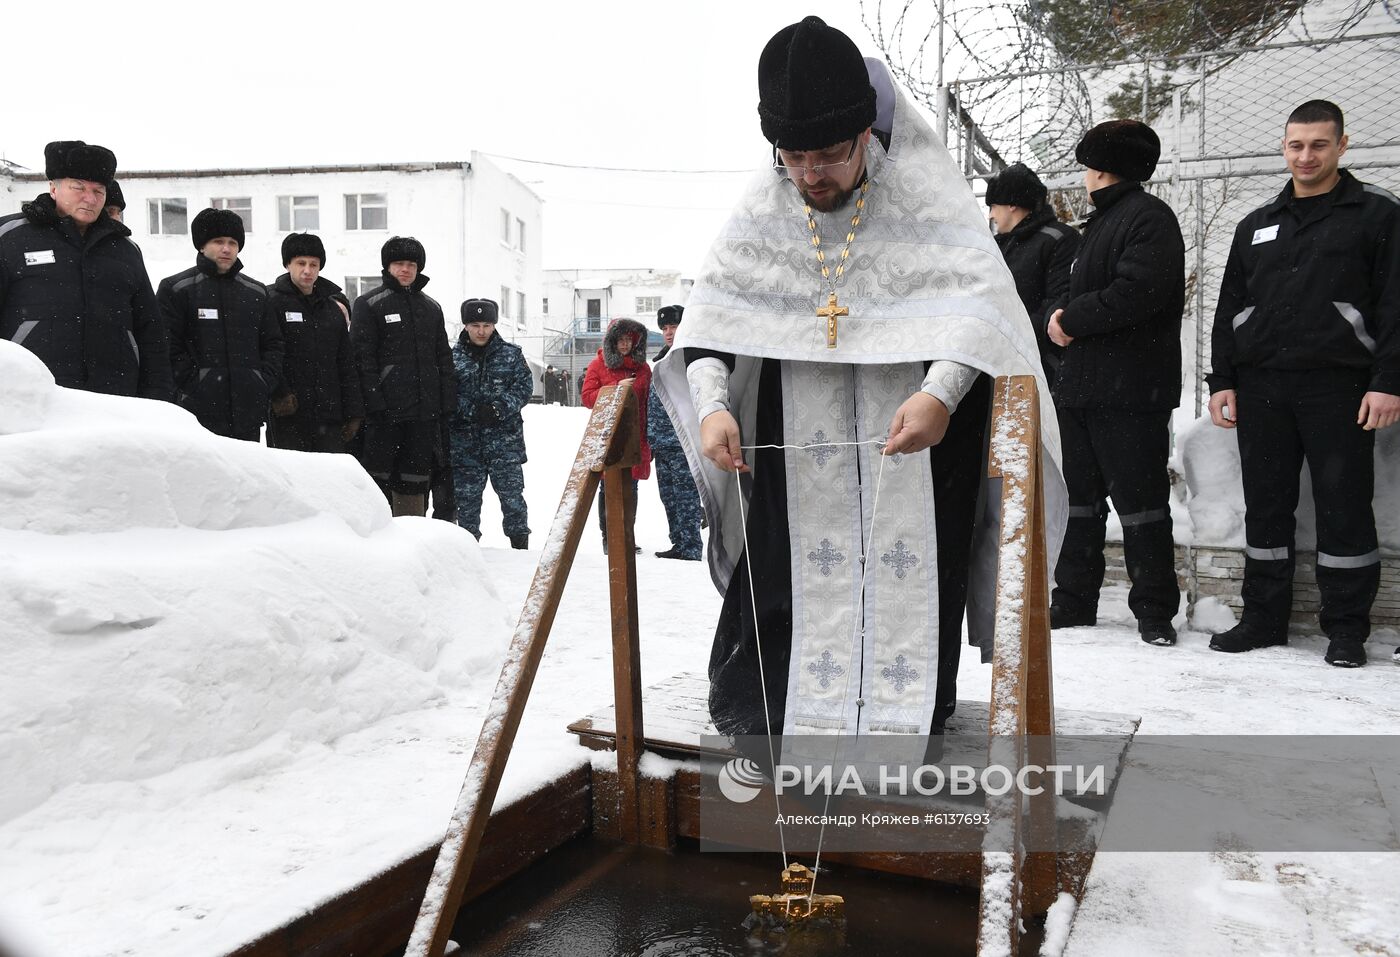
(74, 159)
(401, 248)
(813, 88)
(1124, 148)
(303, 244)
(669, 316)
(480, 310)
(1016, 185)
(212, 223)
(114, 195)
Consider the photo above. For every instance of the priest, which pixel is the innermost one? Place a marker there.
(845, 323)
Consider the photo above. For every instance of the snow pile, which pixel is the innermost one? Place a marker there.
(169, 596)
(1210, 458)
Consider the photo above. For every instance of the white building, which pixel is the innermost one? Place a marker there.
(481, 227)
(580, 303)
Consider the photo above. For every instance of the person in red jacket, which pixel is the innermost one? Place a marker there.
(623, 356)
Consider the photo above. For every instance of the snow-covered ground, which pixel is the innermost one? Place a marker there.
(231, 686)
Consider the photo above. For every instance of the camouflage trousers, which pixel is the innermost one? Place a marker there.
(681, 501)
(508, 482)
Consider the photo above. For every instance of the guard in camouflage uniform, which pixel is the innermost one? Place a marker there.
(673, 478)
(488, 436)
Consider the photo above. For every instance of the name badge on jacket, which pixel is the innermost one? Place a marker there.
(1265, 235)
(39, 257)
(392, 317)
(208, 313)
(294, 317)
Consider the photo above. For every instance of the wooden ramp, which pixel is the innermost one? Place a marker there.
(1019, 722)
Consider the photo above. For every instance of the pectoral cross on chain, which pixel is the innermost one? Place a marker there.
(830, 312)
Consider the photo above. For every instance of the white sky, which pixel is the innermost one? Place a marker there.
(647, 84)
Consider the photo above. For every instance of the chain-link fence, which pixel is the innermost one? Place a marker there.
(1220, 116)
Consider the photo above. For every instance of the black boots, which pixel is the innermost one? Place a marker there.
(520, 541)
(1242, 637)
(1345, 652)
(1062, 617)
(1157, 631)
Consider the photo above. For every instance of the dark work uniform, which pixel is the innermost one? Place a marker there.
(82, 302)
(494, 383)
(673, 479)
(318, 367)
(1117, 384)
(225, 346)
(408, 383)
(1307, 323)
(958, 465)
(1039, 251)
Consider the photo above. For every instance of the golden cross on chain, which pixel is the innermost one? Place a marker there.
(831, 310)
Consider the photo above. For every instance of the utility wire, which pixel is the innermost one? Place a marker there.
(622, 169)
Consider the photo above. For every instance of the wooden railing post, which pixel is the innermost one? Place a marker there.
(608, 441)
(626, 644)
(1022, 704)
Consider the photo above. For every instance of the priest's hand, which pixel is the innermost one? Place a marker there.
(918, 424)
(1056, 332)
(719, 441)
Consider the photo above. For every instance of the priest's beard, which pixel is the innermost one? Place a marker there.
(829, 201)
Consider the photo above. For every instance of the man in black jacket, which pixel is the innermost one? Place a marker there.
(406, 375)
(1120, 326)
(225, 343)
(1305, 363)
(316, 406)
(1038, 249)
(73, 287)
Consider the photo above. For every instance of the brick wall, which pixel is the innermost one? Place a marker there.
(1220, 572)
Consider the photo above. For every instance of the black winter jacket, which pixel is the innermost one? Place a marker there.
(1039, 252)
(319, 363)
(225, 344)
(400, 342)
(82, 303)
(1315, 287)
(1127, 289)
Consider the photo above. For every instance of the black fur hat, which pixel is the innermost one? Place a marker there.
(303, 244)
(74, 159)
(403, 248)
(669, 316)
(1124, 148)
(114, 195)
(480, 310)
(1016, 185)
(813, 87)
(212, 223)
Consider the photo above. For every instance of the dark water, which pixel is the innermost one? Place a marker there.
(597, 899)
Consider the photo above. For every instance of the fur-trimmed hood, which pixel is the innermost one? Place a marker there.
(619, 328)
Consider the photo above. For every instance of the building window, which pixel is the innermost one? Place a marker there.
(357, 286)
(295, 213)
(366, 211)
(242, 205)
(505, 226)
(544, 306)
(505, 302)
(168, 217)
(595, 315)
(520, 235)
(648, 305)
(520, 306)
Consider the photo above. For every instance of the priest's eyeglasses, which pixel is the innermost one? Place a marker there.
(791, 163)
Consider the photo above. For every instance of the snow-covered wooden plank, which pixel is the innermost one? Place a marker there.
(603, 444)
